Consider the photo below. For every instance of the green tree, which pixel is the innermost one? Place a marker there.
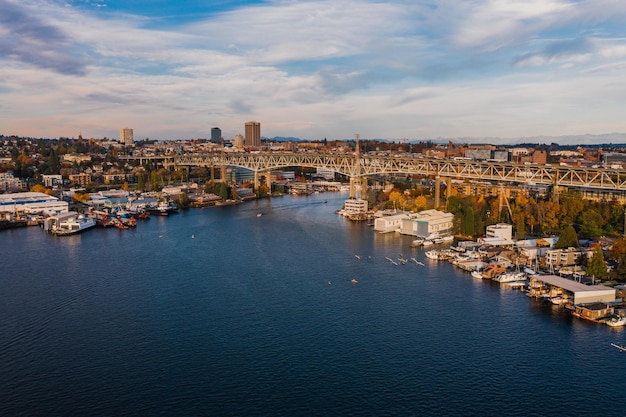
(596, 267)
(590, 223)
(183, 200)
(223, 191)
(567, 239)
(141, 181)
(468, 222)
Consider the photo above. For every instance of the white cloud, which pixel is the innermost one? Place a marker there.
(322, 69)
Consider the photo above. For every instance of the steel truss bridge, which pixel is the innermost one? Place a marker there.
(607, 179)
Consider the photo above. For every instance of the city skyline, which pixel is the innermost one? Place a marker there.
(313, 69)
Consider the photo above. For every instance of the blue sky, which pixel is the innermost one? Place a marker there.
(313, 69)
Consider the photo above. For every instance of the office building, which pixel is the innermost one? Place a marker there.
(253, 134)
(126, 136)
(216, 135)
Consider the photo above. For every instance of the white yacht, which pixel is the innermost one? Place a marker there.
(511, 277)
(73, 224)
(477, 274)
(432, 254)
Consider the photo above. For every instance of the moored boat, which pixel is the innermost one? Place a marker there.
(477, 274)
(510, 277)
(71, 224)
(432, 254)
(417, 242)
(615, 321)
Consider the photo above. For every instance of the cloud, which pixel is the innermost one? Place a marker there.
(29, 39)
(318, 68)
(568, 51)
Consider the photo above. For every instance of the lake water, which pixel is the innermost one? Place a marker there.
(219, 312)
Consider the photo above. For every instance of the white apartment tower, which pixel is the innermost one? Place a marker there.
(126, 136)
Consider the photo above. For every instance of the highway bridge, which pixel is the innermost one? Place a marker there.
(358, 167)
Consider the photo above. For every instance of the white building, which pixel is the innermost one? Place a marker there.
(355, 205)
(428, 222)
(32, 203)
(500, 230)
(387, 224)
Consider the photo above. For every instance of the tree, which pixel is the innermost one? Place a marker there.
(183, 200)
(38, 188)
(397, 198)
(568, 238)
(618, 250)
(589, 223)
(420, 202)
(596, 267)
(223, 191)
(468, 222)
(141, 181)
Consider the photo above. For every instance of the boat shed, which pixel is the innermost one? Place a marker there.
(428, 222)
(388, 224)
(579, 292)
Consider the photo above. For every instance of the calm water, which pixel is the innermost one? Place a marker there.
(219, 312)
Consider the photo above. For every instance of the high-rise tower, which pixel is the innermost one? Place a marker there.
(253, 134)
(126, 136)
(216, 135)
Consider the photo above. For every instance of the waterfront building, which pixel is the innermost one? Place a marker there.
(564, 257)
(355, 205)
(576, 292)
(32, 203)
(428, 222)
(126, 136)
(387, 224)
(253, 134)
(216, 135)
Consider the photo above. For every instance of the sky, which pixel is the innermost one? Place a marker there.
(401, 69)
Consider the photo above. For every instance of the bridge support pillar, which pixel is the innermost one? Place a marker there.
(268, 181)
(364, 188)
(448, 191)
(437, 191)
(223, 173)
(352, 187)
(212, 171)
(256, 180)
